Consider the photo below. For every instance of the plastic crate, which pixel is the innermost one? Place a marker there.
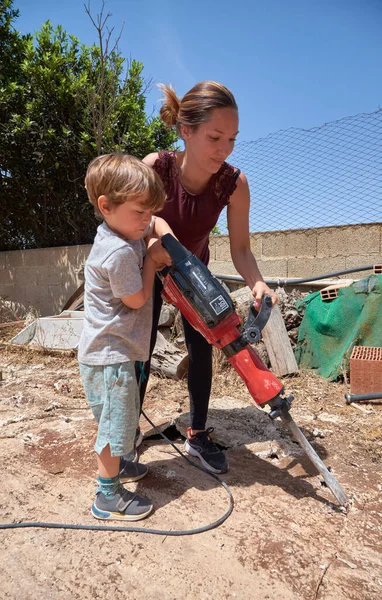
(366, 370)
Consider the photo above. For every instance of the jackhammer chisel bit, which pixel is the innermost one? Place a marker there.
(280, 408)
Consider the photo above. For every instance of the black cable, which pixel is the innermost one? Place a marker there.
(139, 529)
(296, 281)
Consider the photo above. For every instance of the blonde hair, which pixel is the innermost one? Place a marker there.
(122, 177)
(195, 106)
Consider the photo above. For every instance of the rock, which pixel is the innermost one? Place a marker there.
(317, 433)
(240, 422)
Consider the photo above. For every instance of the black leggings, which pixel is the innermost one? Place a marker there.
(199, 366)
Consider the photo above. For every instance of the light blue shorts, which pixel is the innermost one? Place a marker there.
(113, 396)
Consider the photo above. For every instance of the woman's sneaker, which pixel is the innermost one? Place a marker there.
(201, 445)
(131, 471)
(124, 506)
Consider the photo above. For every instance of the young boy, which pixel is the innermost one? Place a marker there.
(119, 278)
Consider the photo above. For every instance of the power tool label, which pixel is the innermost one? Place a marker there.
(219, 305)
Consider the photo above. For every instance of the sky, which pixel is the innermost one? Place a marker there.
(293, 65)
(289, 63)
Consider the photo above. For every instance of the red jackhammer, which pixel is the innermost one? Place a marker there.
(200, 297)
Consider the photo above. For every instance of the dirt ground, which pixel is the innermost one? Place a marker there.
(286, 538)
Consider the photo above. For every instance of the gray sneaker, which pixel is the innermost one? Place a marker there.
(125, 506)
(131, 471)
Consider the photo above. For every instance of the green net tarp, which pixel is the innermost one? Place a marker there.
(330, 329)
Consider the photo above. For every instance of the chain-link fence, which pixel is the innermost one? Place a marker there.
(304, 178)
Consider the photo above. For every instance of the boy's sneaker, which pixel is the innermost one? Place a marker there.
(202, 446)
(124, 506)
(131, 471)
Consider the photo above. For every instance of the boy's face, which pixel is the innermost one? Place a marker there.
(130, 219)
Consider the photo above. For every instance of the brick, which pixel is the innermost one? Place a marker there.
(273, 245)
(9, 292)
(222, 249)
(16, 258)
(59, 256)
(39, 257)
(330, 292)
(361, 260)
(24, 276)
(365, 370)
(268, 268)
(213, 241)
(300, 244)
(57, 296)
(77, 255)
(3, 260)
(273, 268)
(310, 267)
(255, 240)
(222, 267)
(49, 275)
(351, 240)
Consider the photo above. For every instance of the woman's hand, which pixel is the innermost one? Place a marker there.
(259, 289)
(158, 254)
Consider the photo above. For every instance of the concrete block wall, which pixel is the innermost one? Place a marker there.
(306, 252)
(45, 278)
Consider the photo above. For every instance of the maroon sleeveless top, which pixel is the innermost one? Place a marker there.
(192, 217)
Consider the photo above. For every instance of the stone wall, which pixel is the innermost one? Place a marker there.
(45, 278)
(305, 252)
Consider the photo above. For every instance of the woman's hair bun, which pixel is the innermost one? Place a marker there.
(171, 103)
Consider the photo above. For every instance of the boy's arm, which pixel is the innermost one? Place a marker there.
(138, 299)
(154, 246)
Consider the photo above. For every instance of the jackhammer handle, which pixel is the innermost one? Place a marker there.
(257, 319)
(175, 250)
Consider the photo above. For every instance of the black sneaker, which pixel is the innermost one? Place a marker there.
(131, 471)
(202, 446)
(125, 506)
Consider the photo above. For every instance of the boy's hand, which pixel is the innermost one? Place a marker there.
(259, 289)
(158, 254)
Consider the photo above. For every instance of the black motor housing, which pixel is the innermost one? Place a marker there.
(204, 292)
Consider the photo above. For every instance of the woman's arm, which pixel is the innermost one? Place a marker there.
(150, 159)
(154, 246)
(238, 229)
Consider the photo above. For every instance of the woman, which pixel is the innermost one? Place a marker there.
(199, 184)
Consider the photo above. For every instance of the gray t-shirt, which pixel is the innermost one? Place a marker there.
(114, 333)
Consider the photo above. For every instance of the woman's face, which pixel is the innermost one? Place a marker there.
(212, 142)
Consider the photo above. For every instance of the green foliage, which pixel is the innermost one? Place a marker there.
(62, 104)
(216, 230)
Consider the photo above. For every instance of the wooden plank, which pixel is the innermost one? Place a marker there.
(278, 345)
